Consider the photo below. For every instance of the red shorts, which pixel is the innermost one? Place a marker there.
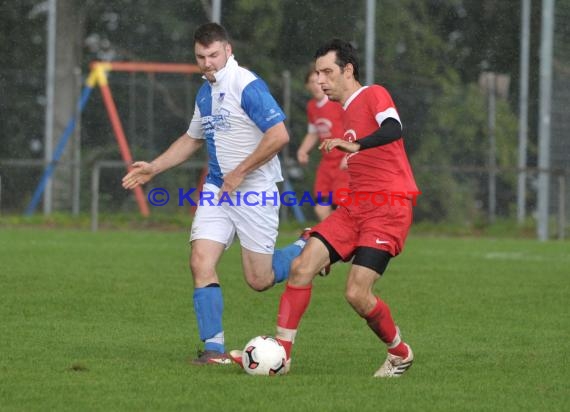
(379, 226)
(329, 178)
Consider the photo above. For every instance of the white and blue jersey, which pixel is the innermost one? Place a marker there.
(232, 114)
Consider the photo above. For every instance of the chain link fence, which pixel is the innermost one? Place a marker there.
(155, 109)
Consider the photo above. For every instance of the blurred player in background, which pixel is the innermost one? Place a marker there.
(242, 126)
(324, 118)
(364, 228)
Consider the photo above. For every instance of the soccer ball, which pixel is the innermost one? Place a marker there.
(264, 355)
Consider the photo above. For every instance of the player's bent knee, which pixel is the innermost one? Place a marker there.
(202, 274)
(301, 271)
(350, 296)
(357, 300)
(259, 280)
(260, 285)
(353, 295)
(297, 268)
(197, 263)
(198, 269)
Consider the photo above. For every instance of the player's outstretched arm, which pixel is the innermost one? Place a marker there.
(389, 131)
(141, 173)
(341, 144)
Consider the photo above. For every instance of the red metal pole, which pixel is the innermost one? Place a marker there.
(120, 136)
(99, 76)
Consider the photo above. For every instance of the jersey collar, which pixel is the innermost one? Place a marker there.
(322, 102)
(220, 74)
(352, 97)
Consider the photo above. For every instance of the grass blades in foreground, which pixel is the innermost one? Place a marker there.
(104, 321)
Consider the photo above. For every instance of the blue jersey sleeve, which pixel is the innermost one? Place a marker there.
(260, 106)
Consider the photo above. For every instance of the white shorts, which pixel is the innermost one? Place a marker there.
(255, 225)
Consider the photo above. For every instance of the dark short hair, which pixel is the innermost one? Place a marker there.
(345, 54)
(208, 33)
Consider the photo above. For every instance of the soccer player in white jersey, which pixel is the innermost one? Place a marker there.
(242, 126)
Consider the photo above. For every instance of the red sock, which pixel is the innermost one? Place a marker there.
(288, 345)
(380, 321)
(293, 304)
(401, 350)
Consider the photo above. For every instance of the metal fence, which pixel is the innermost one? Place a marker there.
(455, 195)
(152, 107)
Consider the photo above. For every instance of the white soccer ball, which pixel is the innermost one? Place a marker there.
(264, 355)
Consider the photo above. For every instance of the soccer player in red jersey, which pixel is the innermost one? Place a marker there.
(371, 226)
(324, 118)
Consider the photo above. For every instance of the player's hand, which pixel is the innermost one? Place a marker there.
(343, 163)
(303, 158)
(139, 174)
(231, 182)
(341, 144)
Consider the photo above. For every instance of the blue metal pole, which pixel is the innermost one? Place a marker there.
(297, 211)
(48, 172)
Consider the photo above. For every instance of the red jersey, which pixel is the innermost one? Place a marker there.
(324, 117)
(382, 168)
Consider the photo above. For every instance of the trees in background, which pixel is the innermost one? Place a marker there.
(428, 53)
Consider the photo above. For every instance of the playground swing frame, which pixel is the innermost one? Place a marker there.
(99, 76)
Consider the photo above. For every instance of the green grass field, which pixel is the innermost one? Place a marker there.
(103, 321)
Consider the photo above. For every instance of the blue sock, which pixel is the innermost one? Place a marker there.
(209, 306)
(283, 257)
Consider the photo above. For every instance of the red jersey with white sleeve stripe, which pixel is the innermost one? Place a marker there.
(383, 168)
(324, 117)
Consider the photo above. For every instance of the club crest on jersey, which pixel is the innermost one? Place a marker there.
(324, 127)
(350, 135)
(221, 97)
